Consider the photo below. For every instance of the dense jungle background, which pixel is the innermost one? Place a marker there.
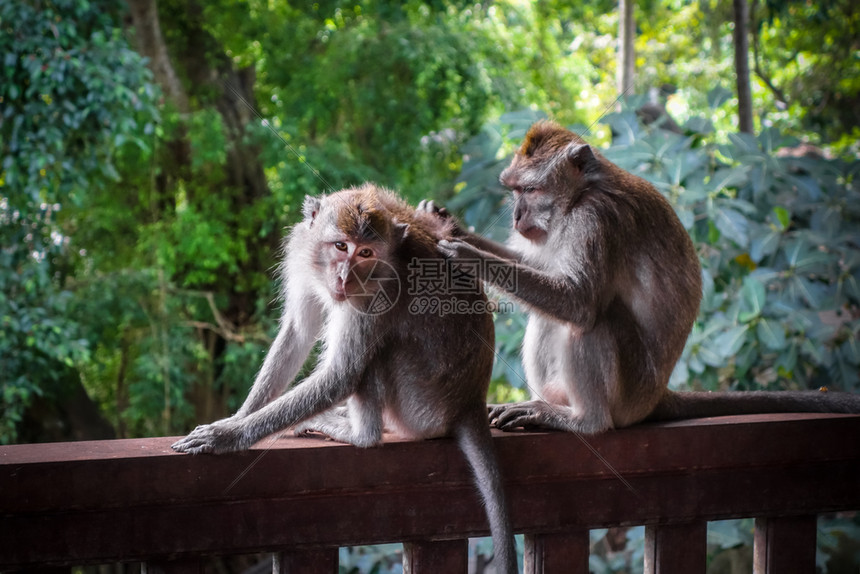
(152, 155)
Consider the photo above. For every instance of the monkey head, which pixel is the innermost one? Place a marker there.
(354, 240)
(549, 172)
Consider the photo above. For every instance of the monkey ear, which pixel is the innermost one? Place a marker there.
(581, 156)
(311, 207)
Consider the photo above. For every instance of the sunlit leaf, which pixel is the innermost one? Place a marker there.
(718, 96)
(729, 177)
(783, 216)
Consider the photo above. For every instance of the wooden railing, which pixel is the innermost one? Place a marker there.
(136, 500)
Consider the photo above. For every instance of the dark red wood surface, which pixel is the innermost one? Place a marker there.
(784, 544)
(436, 556)
(676, 548)
(557, 553)
(132, 499)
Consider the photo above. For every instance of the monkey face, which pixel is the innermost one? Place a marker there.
(533, 210)
(350, 266)
(360, 274)
(547, 176)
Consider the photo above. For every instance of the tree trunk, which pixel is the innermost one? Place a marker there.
(626, 54)
(742, 67)
(202, 76)
(150, 43)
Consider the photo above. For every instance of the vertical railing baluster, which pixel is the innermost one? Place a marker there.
(429, 557)
(557, 552)
(784, 544)
(676, 548)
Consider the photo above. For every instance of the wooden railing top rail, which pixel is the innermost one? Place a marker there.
(103, 501)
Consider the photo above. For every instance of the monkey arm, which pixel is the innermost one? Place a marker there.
(320, 391)
(490, 246)
(478, 241)
(299, 328)
(572, 298)
(329, 384)
(336, 377)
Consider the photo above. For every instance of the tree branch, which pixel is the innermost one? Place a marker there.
(759, 70)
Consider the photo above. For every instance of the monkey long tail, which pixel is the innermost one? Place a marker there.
(475, 440)
(688, 405)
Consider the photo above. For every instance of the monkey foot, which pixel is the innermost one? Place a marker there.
(314, 427)
(305, 432)
(530, 414)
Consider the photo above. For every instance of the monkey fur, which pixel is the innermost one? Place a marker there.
(613, 285)
(422, 375)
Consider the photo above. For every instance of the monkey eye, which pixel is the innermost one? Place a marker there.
(340, 245)
(528, 189)
(366, 252)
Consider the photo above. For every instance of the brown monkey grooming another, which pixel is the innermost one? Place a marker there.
(425, 375)
(614, 285)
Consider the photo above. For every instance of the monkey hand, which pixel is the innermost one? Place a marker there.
(429, 206)
(455, 249)
(221, 436)
(450, 226)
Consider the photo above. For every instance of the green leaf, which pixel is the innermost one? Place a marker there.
(733, 225)
(811, 292)
(699, 125)
(846, 371)
(710, 357)
(746, 144)
(718, 96)
(813, 351)
(753, 298)
(850, 349)
(730, 342)
(795, 250)
(745, 359)
(787, 359)
(782, 216)
(851, 287)
(729, 177)
(764, 245)
(771, 334)
(713, 233)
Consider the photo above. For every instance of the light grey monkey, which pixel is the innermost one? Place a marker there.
(347, 276)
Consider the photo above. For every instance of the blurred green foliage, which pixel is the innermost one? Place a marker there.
(71, 93)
